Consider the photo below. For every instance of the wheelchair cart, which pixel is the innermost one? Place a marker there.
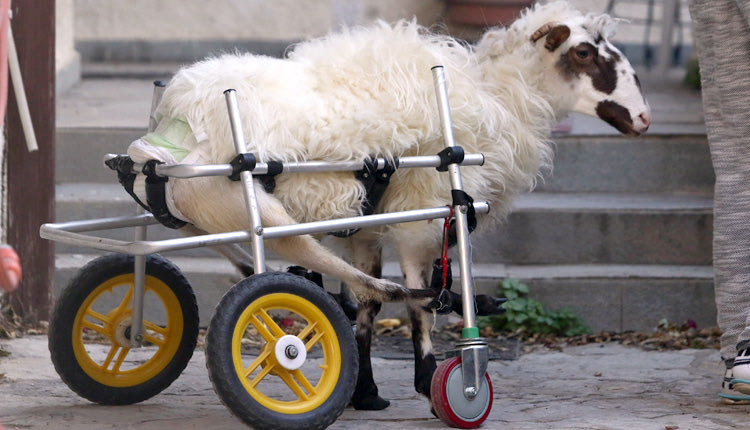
(127, 324)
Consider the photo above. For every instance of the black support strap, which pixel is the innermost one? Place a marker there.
(268, 180)
(156, 196)
(123, 165)
(375, 182)
(460, 198)
(156, 202)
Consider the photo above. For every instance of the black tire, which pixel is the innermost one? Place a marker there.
(221, 343)
(71, 324)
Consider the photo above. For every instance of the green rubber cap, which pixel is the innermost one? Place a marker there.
(469, 332)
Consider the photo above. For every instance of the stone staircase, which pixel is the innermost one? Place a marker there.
(621, 233)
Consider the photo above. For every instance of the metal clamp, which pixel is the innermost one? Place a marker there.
(474, 355)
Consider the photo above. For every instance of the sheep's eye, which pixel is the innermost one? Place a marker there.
(583, 54)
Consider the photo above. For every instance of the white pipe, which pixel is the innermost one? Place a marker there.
(23, 104)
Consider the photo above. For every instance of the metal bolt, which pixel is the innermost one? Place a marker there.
(470, 392)
(463, 208)
(258, 230)
(291, 352)
(139, 338)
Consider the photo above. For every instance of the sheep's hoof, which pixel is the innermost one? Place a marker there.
(370, 403)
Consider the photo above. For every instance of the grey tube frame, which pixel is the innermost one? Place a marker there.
(74, 232)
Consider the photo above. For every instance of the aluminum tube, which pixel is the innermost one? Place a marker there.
(139, 290)
(72, 238)
(251, 202)
(57, 232)
(434, 161)
(193, 170)
(462, 230)
(159, 88)
(50, 232)
(14, 68)
(364, 221)
(198, 170)
(101, 223)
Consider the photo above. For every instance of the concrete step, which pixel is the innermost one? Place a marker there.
(79, 155)
(544, 228)
(602, 228)
(674, 163)
(607, 297)
(583, 164)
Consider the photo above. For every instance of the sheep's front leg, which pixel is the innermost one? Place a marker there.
(366, 257)
(416, 272)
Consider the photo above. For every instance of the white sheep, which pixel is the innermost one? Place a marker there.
(367, 92)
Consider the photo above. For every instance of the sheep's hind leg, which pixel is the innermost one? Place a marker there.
(366, 257)
(307, 252)
(240, 259)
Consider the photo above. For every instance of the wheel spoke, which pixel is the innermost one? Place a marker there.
(110, 356)
(125, 300)
(262, 330)
(154, 340)
(313, 341)
(306, 331)
(153, 327)
(271, 324)
(96, 315)
(293, 385)
(257, 362)
(120, 359)
(95, 327)
(259, 377)
(303, 380)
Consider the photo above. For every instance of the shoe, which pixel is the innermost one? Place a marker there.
(741, 372)
(729, 394)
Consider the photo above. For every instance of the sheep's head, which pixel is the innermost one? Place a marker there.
(602, 81)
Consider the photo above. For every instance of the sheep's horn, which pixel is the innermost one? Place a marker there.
(542, 31)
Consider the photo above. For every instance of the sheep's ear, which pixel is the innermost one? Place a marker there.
(556, 35)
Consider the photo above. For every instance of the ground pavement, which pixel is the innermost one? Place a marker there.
(606, 386)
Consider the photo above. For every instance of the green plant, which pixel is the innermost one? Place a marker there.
(692, 74)
(527, 316)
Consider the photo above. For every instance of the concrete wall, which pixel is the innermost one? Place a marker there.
(67, 59)
(177, 30)
(235, 19)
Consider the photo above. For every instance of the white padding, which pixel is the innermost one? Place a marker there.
(139, 187)
(170, 202)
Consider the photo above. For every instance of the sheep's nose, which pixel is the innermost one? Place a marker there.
(644, 121)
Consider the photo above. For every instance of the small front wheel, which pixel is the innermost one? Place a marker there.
(448, 398)
(90, 329)
(281, 353)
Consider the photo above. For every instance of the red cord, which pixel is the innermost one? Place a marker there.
(444, 255)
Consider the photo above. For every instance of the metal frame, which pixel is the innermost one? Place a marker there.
(472, 348)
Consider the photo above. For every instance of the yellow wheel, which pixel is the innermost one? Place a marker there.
(281, 352)
(90, 331)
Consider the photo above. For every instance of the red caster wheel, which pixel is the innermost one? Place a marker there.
(448, 398)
